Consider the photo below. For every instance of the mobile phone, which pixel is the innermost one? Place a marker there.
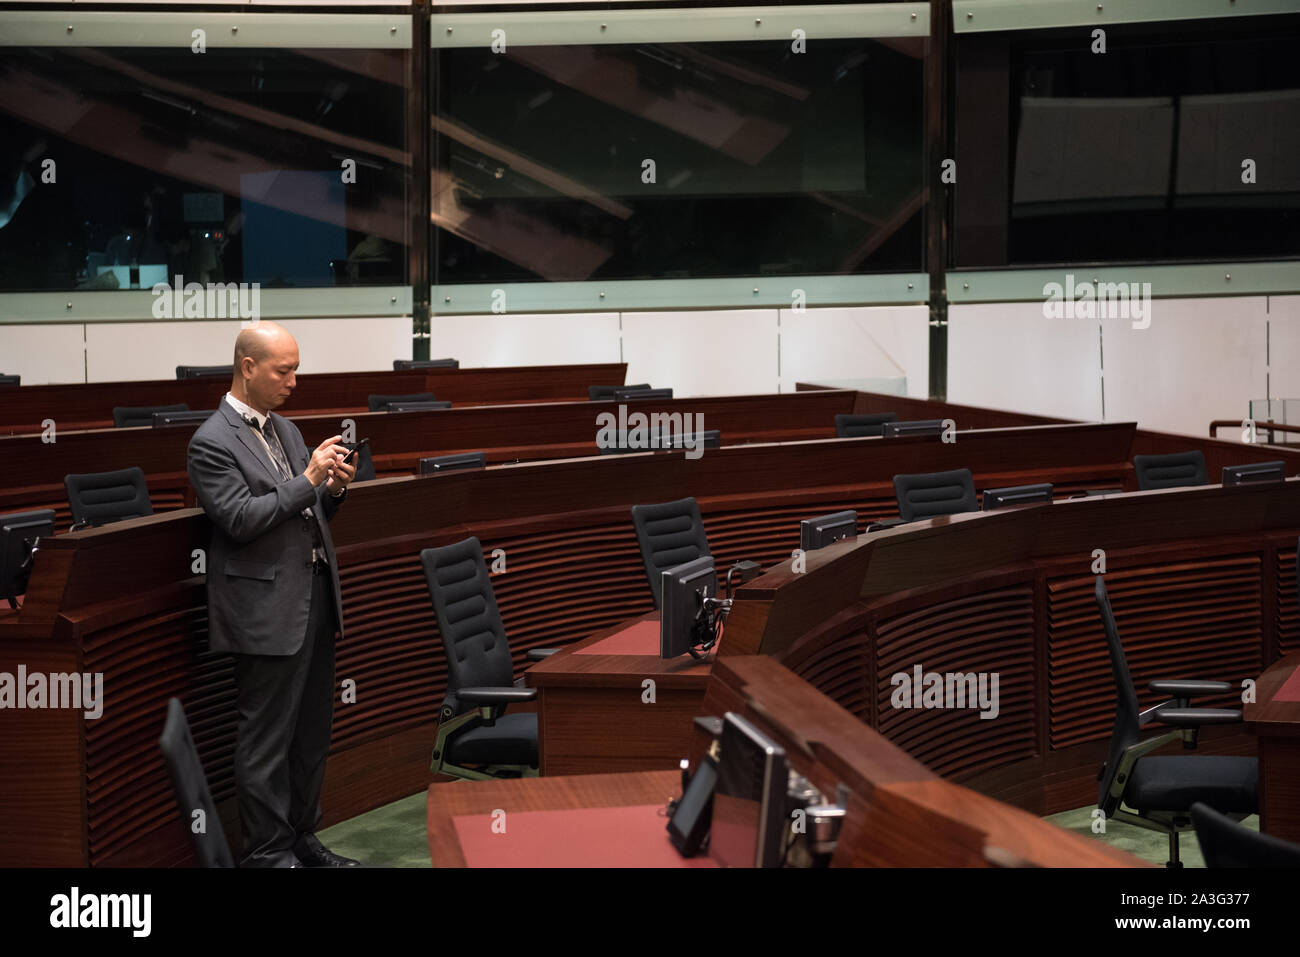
(352, 454)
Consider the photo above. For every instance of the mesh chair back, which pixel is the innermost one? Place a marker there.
(935, 493)
(1225, 843)
(1125, 731)
(669, 534)
(380, 403)
(478, 655)
(190, 786)
(1176, 470)
(103, 497)
(857, 426)
(134, 416)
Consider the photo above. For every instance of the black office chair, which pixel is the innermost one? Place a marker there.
(1225, 843)
(380, 403)
(98, 498)
(858, 426)
(928, 494)
(11, 380)
(473, 728)
(135, 416)
(669, 534)
(1161, 790)
(205, 372)
(190, 785)
(1176, 470)
(406, 365)
(600, 393)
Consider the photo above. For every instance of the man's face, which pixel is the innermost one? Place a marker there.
(273, 378)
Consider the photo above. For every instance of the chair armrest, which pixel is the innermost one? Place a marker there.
(537, 654)
(1196, 717)
(887, 523)
(1190, 689)
(491, 696)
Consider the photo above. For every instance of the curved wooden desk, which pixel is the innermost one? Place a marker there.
(127, 600)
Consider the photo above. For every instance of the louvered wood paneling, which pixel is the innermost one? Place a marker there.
(1196, 619)
(1288, 617)
(990, 631)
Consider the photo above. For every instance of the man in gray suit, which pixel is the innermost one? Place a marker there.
(273, 594)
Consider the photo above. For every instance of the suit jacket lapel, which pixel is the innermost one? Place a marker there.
(244, 432)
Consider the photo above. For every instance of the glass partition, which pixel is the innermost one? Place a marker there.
(286, 165)
(677, 160)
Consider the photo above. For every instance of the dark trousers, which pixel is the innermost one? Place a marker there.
(286, 709)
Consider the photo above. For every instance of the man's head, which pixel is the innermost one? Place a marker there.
(266, 358)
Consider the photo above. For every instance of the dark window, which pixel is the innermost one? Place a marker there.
(766, 162)
(1135, 154)
(225, 167)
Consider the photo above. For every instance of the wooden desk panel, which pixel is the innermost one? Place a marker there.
(593, 716)
(1276, 723)
(448, 801)
(89, 405)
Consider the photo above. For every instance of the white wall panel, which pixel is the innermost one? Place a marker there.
(723, 352)
(349, 345)
(526, 340)
(128, 351)
(882, 343)
(1200, 359)
(1010, 356)
(44, 354)
(1284, 348)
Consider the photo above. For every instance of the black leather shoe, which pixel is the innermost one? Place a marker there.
(313, 853)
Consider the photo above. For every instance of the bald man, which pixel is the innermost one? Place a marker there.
(273, 594)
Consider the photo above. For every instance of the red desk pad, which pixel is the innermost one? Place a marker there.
(640, 639)
(584, 837)
(1290, 690)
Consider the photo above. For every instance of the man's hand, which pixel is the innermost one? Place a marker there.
(340, 475)
(325, 459)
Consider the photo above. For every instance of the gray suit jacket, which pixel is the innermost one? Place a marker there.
(259, 561)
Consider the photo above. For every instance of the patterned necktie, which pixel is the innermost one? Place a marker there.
(273, 446)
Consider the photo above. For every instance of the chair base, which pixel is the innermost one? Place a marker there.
(1172, 823)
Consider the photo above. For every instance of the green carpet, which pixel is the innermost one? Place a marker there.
(1152, 846)
(388, 836)
(394, 836)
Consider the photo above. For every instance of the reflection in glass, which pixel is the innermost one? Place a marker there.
(1163, 148)
(120, 168)
(655, 161)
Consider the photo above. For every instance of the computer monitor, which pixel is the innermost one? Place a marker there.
(683, 620)
(1254, 472)
(405, 365)
(749, 820)
(689, 824)
(451, 463)
(708, 439)
(418, 406)
(182, 417)
(815, 533)
(19, 534)
(603, 393)
(205, 372)
(892, 430)
(1017, 495)
(634, 392)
